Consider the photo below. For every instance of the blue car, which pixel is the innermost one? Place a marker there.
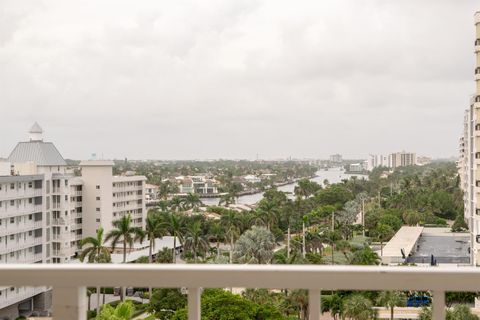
(418, 301)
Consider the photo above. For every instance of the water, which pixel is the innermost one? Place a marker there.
(333, 175)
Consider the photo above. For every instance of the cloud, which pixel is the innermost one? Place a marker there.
(189, 79)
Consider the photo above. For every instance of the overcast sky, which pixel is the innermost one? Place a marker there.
(230, 79)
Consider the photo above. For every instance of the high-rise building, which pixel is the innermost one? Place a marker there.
(469, 160)
(376, 160)
(45, 211)
(401, 159)
(337, 158)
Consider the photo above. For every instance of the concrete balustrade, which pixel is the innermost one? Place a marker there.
(69, 281)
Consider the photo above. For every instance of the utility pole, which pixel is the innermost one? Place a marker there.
(363, 217)
(303, 239)
(333, 220)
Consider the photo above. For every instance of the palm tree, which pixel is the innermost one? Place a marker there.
(174, 225)
(331, 237)
(255, 246)
(176, 204)
(195, 240)
(96, 252)
(299, 298)
(392, 299)
(166, 188)
(217, 233)
(226, 199)
(192, 201)
(268, 212)
(230, 221)
(287, 213)
(357, 307)
(126, 233)
(154, 229)
(383, 232)
(334, 304)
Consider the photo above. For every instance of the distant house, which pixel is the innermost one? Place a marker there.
(355, 167)
(197, 184)
(252, 179)
(151, 192)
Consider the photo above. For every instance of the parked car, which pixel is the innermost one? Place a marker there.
(418, 301)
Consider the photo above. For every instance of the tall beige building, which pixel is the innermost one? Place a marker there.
(108, 198)
(402, 159)
(469, 160)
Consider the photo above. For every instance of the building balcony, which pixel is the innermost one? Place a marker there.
(20, 211)
(58, 222)
(24, 293)
(70, 299)
(18, 194)
(17, 228)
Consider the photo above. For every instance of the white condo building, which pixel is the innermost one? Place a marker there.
(45, 211)
(469, 160)
(393, 160)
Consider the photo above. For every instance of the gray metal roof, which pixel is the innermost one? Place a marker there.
(39, 152)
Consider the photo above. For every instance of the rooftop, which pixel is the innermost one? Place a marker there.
(39, 152)
(405, 239)
(96, 163)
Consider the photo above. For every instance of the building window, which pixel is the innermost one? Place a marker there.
(30, 185)
(98, 220)
(12, 203)
(98, 209)
(12, 186)
(30, 217)
(30, 200)
(98, 198)
(97, 187)
(12, 237)
(12, 220)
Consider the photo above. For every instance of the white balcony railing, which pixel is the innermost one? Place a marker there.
(69, 281)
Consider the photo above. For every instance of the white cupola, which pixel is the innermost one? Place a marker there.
(36, 133)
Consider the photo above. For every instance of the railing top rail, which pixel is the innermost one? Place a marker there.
(249, 276)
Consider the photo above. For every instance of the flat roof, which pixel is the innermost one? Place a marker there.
(128, 178)
(142, 249)
(96, 163)
(21, 178)
(406, 239)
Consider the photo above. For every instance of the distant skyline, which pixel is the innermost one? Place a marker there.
(233, 79)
